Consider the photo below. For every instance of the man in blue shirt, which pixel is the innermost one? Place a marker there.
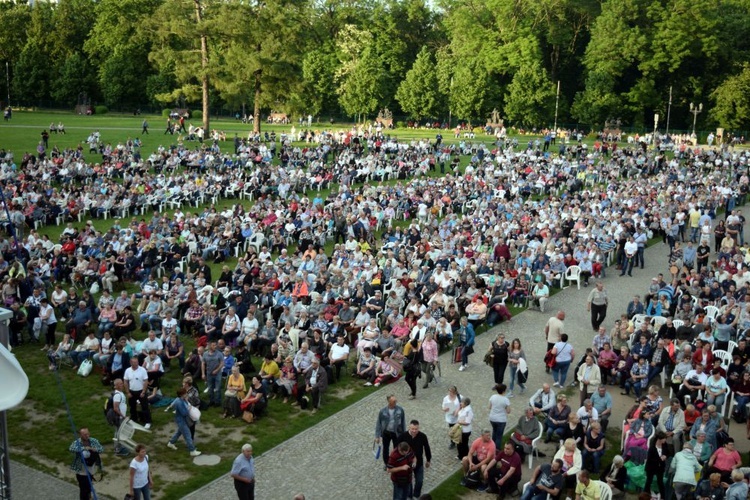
(243, 473)
(602, 401)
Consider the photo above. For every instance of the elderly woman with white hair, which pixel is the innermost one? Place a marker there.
(616, 475)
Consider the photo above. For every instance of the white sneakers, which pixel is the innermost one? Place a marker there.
(171, 446)
(195, 453)
(461, 368)
(147, 426)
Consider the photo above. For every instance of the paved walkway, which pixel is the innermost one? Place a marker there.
(339, 448)
(31, 484)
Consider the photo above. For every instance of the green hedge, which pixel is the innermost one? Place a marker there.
(196, 115)
(100, 110)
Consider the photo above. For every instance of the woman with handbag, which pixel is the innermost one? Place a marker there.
(181, 418)
(254, 402)
(234, 393)
(564, 355)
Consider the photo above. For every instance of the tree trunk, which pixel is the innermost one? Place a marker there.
(204, 68)
(256, 103)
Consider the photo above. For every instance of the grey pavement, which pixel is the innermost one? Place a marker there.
(340, 447)
(31, 484)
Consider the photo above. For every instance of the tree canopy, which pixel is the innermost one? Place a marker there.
(422, 59)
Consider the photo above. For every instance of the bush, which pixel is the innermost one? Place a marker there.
(165, 113)
(400, 124)
(196, 115)
(100, 110)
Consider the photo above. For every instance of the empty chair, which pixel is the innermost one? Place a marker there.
(124, 435)
(573, 273)
(638, 319)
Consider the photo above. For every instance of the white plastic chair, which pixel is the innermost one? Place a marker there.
(605, 492)
(678, 323)
(657, 322)
(638, 320)
(124, 434)
(573, 273)
(534, 445)
(732, 346)
(712, 312)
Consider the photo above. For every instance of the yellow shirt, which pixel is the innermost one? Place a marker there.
(590, 492)
(270, 368)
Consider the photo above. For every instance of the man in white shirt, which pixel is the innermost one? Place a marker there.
(168, 325)
(631, 248)
(136, 380)
(694, 381)
(339, 354)
(151, 343)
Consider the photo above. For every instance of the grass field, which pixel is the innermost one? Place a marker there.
(40, 429)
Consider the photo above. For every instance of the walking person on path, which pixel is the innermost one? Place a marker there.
(144, 127)
(243, 473)
(467, 337)
(589, 378)
(141, 480)
(390, 424)
(597, 303)
(399, 465)
(499, 410)
(451, 405)
(87, 451)
(499, 353)
(553, 331)
(420, 446)
(564, 355)
(182, 418)
(518, 367)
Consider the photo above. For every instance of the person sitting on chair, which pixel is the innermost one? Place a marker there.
(546, 480)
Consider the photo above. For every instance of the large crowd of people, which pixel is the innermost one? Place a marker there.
(417, 264)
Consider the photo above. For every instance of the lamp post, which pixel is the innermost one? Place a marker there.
(656, 125)
(450, 111)
(669, 110)
(557, 103)
(696, 110)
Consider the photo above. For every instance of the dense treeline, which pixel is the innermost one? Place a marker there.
(424, 60)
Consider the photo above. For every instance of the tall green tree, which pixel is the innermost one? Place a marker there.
(419, 93)
(262, 53)
(360, 91)
(530, 99)
(732, 98)
(33, 69)
(119, 45)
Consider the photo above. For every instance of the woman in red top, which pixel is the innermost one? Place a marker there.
(704, 356)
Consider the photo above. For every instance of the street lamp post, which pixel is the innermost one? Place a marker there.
(669, 110)
(696, 110)
(656, 126)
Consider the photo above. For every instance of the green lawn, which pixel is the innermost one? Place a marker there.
(43, 414)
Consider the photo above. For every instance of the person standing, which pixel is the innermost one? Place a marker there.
(467, 337)
(243, 473)
(390, 424)
(597, 303)
(564, 355)
(136, 380)
(554, 330)
(499, 410)
(420, 446)
(213, 362)
(630, 248)
(685, 466)
(656, 462)
(589, 378)
(499, 353)
(144, 127)
(181, 418)
(399, 465)
(87, 454)
(141, 480)
(450, 407)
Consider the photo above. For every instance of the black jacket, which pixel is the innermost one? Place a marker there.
(420, 446)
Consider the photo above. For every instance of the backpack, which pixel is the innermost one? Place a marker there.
(112, 417)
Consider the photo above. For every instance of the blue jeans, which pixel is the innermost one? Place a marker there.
(560, 372)
(498, 429)
(465, 355)
(144, 493)
(596, 458)
(213, 382)
(401, 491)
(531, 493)
(184, 431)
(513, 375)
(742, 402)
(416, 490)
(552, 428)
